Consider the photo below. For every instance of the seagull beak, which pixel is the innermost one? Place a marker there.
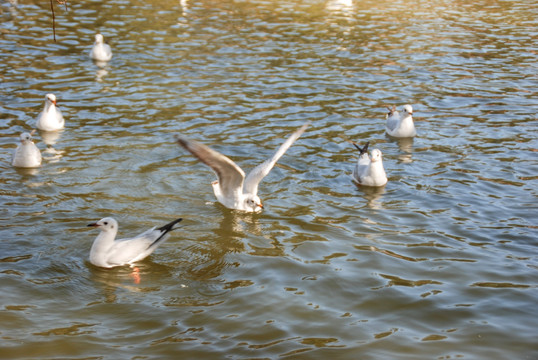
(54, 102)
(94, 225)
(260, 205)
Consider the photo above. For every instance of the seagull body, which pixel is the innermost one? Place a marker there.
(26, 155)
(50, 119)
(107, 252)
(100, 50)
(369, 170)
(232, 189)
(401, 126)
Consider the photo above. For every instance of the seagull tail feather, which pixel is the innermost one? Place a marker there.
(164, 230)
(362, 150)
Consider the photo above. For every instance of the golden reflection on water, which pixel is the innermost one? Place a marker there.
(328, 270)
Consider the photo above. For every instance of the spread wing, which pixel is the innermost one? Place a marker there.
(230, 175)
(259, 172)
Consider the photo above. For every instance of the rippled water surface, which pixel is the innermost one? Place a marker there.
(441, 263)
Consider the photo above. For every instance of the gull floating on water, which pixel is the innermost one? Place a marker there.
(232, 189)
(108, 252)
(26, 155)
(100, 50)
(369, 170)
(400, 126)
(50, 119)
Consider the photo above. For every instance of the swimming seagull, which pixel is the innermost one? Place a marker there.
(107, 252)
(26, 155)
(232, 189)
(100, 50)
(400, 126)
(369, 170)
(50, 119)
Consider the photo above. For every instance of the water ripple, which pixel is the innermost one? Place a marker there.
(441, 258)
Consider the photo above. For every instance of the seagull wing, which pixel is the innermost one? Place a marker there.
(393, 119)
(230, 175)
(361, 167)
(125, 251)
(259, 172)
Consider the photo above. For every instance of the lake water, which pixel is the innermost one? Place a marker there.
(441, 263)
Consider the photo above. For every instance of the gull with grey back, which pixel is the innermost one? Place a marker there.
(369, 170)
(101, 51)
(51, 118)
(108, 252)
(26, 155)
(400, 125)
(233, 189)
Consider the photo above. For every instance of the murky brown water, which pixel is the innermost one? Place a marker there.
(440, 264)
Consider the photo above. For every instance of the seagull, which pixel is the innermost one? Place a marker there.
(232, 189)
(50, 119)
(401, 126)
(100, 50)
(107, 252)
(26, 155)
(369, 170)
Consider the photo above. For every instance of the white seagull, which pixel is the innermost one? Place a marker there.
(50, 119)
(369, 170)
(107, 252)
(232, 189)
(401, 126)
(26, 155)
(100, 50)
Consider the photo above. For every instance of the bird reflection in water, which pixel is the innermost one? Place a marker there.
(101, 71)
(234, 223)
(372, 195)
(210, 260)
(138, 278)
(50, 138)
(406, 147)
(344, 6)
(24, 172)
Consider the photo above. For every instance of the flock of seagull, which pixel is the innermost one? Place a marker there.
(232, 189)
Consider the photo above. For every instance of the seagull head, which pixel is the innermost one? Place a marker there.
(50, 98)
(408, 109)
(106, 224)
(253, 203)
(375, 155)
(26, 137)
(99, 39)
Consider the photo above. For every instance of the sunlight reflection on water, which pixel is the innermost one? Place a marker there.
(439, 263)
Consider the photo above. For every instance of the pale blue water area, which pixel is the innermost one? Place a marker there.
(441, 263)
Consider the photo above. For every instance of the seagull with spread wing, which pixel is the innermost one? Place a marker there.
(233, 189)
